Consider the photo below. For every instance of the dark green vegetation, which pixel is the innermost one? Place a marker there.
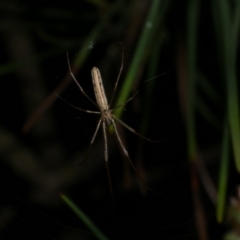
(188, 50)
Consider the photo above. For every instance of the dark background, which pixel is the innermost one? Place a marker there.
(40, 161)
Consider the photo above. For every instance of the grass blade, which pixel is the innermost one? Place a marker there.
(83, 217)
(147, 32)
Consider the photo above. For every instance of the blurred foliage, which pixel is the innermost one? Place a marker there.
(181, 57)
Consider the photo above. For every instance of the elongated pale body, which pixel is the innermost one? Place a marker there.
(100, 95)
(99, 89)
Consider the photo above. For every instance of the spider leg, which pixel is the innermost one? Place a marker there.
(119, 74)
(106, 158)
(133, 131)
(130, 160)
(78, 84)
(92, 141)
(131, 98)
(126, 154)
(83, 110)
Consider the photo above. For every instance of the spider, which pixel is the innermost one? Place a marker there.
(107, 117)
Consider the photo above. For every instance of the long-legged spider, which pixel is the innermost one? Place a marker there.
(107, 117)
